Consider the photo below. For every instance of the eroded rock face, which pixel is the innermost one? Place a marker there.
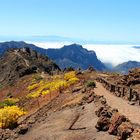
(19, 62)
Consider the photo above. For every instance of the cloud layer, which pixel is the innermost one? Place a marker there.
(114, 54)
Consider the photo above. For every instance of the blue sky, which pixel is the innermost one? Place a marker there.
(99, 20)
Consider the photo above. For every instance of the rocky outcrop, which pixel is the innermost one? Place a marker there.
(112, 121)
(115, 121)
(19, 62)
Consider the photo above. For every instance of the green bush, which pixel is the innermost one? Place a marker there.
(91, 84)
(2, 104)
(9, 102)
(38, 78)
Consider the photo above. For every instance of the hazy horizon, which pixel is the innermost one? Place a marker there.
(109, 27)
(96, 20)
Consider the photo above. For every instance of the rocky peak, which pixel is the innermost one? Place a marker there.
(76, 56)
(73, 47)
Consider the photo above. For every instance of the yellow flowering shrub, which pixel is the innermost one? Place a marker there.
(45, 92)
(56, 83)
(33, 95)
(69, 75)
(73, 80)
(56, 77)
(9, 116)
(34, 86)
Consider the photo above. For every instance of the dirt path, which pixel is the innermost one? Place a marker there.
(55, 126)
(131, 112)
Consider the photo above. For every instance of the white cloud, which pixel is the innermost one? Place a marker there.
(114, 54)
(47, 45)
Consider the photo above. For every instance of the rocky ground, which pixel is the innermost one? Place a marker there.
(132, 79)
(79, 113)
(76, 118)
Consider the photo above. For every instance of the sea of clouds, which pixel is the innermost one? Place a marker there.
(113, 54)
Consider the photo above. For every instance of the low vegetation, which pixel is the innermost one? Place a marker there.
(8, 102)
(91, 84)
(10, 111)
(56, 83)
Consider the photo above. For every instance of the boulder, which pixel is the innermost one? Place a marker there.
(90, 99)
(115, 121)
(103, 124)
(76, 89)
(23, 128)
(124, 130)
(105, 111)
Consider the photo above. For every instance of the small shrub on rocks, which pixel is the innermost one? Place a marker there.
(91, 84)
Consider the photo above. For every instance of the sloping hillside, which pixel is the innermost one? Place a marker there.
(19, 62)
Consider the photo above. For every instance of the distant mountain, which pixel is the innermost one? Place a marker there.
(72, 55)
(126, 66)
(19, 62)
(76, 56)
(136, 47)
(4, 46)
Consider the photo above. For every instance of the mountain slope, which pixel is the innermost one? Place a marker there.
(126, 66)
(4, 46)
(19, 62)
(76, 56)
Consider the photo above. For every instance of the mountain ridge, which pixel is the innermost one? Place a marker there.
(70, 55)
(78, 56)
(126, 66)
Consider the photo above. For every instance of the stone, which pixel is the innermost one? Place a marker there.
(103, 124)
(83, 90)
(102, 100)
(99, 110)
(125, 130)
(104, 111)
(116, 120)
(76, 89)
(90, 99)
(132, 103)
(22, 129)
(31, 121)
